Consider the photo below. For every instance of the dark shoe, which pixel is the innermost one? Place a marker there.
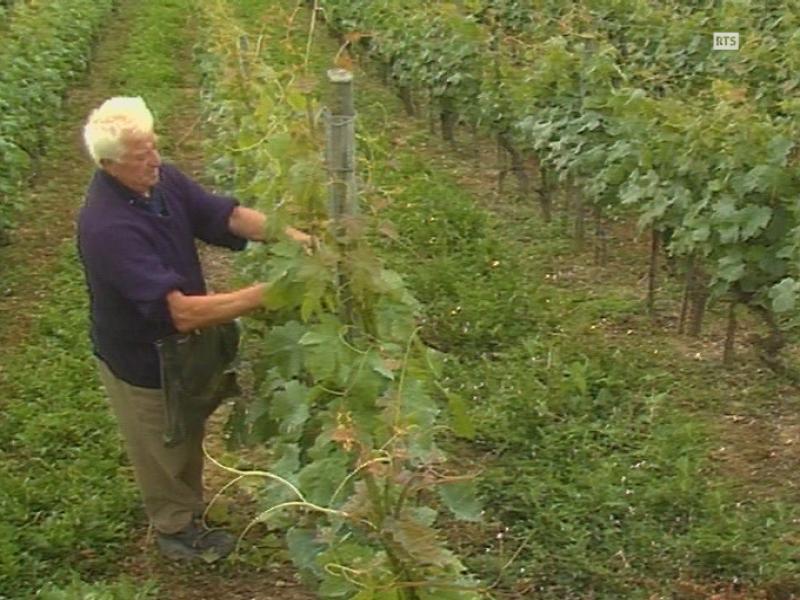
(196, 542)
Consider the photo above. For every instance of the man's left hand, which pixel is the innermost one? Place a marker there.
(309, 242)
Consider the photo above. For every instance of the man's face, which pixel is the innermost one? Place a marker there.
(137, 168)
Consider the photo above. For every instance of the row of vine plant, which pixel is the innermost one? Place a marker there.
(623, 110)
(345, 392)
(45, 46)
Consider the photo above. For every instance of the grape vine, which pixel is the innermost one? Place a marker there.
(699, 144)
(346, 391)
(44, 49)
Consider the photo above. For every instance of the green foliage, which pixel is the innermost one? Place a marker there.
(697, 142)
(595, 469)
(596, 461)
(44, 49)
(152, 42)
(53, 423)
(347, 391)
(595, 453)
(125, 589)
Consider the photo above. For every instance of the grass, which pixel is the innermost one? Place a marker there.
(65, 510)
(68, 506)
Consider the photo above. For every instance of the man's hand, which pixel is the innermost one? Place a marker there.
(251, 224)
(309, 242)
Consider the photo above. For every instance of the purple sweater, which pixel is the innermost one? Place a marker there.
(134, 252)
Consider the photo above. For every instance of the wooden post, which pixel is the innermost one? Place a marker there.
(730, 336)
(698, 294)
(340, 157)
(600, 237)
(687, 293)
(580, 230)
(652, 273)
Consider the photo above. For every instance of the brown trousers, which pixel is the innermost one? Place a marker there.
(169, 479)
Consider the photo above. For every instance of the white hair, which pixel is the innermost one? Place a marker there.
(115, 119)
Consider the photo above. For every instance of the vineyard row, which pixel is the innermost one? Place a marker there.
(44, 48)
(707, 167)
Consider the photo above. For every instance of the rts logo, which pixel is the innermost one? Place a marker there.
(726, 40)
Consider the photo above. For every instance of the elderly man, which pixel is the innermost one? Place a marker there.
(136, 239)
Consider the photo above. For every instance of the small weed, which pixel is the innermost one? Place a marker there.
(124, 589)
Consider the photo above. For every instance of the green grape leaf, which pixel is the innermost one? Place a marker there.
(729, 233)
(419, 540)
(417, 406)
(287, 249)
(279, 145)
(778, 149)
(655, 210)
(754, 219)
(461, 497)
(323, 347)
(286, 464)
(784, 295)
(422, 514)
(304, 548)
(282, 346)
(459, 418)
(724, 210)
(277, 295)
(282, 293)
(381, 366)
(335, 586)
(766, 179)
(316, 276)
(324, 332)
(319, 479)
(394, 320)
(701, 233)
(296, 100)
(349, 554)
(287, 461)
(291, 407)
(731, 268)
(631, 193)
(365, 386)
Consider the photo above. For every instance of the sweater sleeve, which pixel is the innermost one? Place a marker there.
(209, 213)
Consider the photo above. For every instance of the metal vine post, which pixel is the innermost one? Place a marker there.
(340, 158)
